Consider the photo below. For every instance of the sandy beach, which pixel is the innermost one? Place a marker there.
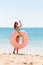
(20, 59)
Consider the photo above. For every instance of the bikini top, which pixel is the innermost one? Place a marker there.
(18, 29)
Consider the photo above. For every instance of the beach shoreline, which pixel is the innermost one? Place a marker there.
(20, 59)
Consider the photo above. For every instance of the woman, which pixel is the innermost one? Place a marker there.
(17, 28)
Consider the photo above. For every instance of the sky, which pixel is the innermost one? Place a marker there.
(30, 12)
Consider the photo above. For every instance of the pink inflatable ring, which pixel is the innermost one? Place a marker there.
(14, 42)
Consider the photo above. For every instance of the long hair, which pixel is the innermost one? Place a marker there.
(15, 24)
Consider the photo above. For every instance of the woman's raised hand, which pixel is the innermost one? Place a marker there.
(20, 23)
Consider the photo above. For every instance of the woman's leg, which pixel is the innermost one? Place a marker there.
(17, 39)
(17, 51)
(14, 51)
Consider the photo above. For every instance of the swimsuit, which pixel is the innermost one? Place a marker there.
(18, 37)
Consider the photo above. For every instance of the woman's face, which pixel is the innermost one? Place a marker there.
(16, 23)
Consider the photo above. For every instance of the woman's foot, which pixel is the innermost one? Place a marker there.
(13, 52)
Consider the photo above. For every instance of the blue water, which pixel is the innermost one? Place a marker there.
(35, 43)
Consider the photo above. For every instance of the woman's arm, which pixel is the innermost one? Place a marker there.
(19, 27)
(20, 24)
(19, 33)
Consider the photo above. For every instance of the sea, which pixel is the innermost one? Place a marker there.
(35, 41)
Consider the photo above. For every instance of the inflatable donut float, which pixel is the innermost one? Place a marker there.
(14, 42)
